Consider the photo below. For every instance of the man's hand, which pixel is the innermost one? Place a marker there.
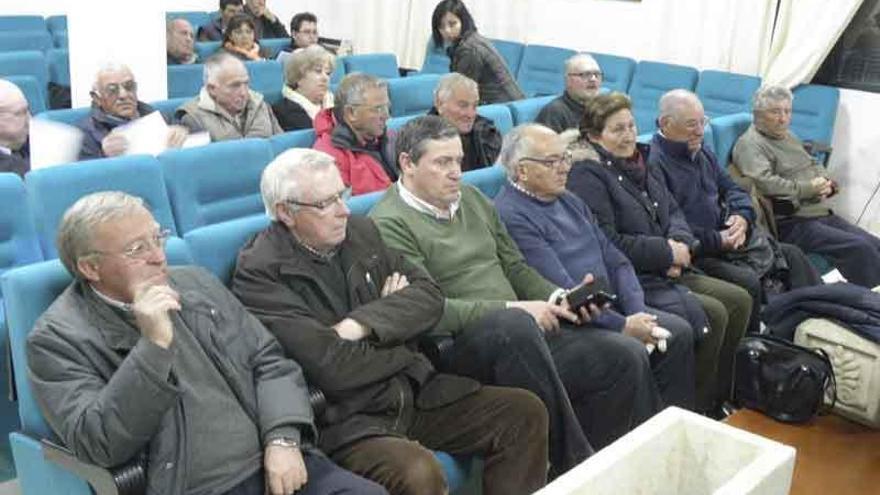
(639, 326)
(349, 329)
(674, 271)
(585, 314)
(177, 134)
(681, 253)
(546, 315)
(150, 307)
(738, 228)
(823, 186)
(285, 470)
(114, 144)
(394, 283)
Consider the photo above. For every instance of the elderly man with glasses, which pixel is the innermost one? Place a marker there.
(351, 311)
(114, 104)
(583, 80)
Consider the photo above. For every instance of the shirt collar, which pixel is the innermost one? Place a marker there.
(423, 206)
(126, 307)
(526, 192)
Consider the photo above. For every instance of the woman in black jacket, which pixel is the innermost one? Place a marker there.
(306, 88)
(471, 54)
(640, 216)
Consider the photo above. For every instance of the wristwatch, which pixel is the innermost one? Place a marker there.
(284, 442)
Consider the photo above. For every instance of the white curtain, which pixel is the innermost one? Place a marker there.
(805, 33)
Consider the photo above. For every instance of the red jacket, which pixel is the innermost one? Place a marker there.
(360, 167)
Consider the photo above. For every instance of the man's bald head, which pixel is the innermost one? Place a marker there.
(682, 118)
(14, 116)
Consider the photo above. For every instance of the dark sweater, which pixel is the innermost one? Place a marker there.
(562, 113)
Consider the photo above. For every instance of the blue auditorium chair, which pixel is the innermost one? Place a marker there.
(725, 93)
(412, 95)
(511, 52)
(274, 45)
(814, 111)
(362, 204)
(527, 110)
(650, 81)
(617, 72)
(14, 41)
(184, 80)
(498, 113)
(60, 39)
(26, 63)
(726, 130)
(394, 124)
(382, 65)
(69, 116)
(195, 18)
(168, 107)
(56, 23)
(207, 48)
(267, 77)
(31, 89)
(54, 189)
(215, 183)
(488, 180)
(59, 66)
(216, 246)
(22, 23)
(338, 72)
(542, 70)
(436, 61)
(303, 138)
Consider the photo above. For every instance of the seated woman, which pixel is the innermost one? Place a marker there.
(239, 39)
(306, 88)
(638, 214)
(559, 238)
(471, 54)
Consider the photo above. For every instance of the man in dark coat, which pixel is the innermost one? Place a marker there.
(350, 309)
(455, 99)
(214, 30)
(14, 118)
(583, 80)
(266, 23)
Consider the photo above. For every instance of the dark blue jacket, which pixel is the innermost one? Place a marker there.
(705, 193)
(97, 125)
(854, 306)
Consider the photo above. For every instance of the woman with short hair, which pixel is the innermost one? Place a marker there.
(240, 39)
(306, 88)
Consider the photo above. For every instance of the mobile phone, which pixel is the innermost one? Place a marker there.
(598, 293)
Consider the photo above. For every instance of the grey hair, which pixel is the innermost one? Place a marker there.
(77, 229)
(215, 64)
(517, 144)
(285, 176)
(672, 101)
(351, 91)
(452, 81)
(104, 69)
(304, 60)
(768, 94)
(580, 57)
(11, 89)
(169, 26)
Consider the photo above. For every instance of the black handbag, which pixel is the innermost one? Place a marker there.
(784, 381)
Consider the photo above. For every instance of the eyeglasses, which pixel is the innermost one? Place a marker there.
(112, 89)
(587, 74)
(776, 112)
(140, 249)
(323, 205)
(383, 108)
(693, 124)
(552, 162)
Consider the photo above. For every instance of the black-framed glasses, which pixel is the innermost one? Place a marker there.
(141, 249)
(323, 205)
(556, 162)
(587, 74)
(112, 89)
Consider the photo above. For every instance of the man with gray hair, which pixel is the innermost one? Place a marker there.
(455, 99)
(14, 119)
(583, 80)
(180, 42)
(115, 104)
(350, 310)
(354, 133)
(136, 361)
(226, 107)
(774, 158)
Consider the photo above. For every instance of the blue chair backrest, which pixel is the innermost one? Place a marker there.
(814, 111)
(274, 45)
(542, 70)
(511, 52)
(215, 183)
(207, 48)
(184, 80)
(19, 244)
(59, 39)
(59, 66)
(726, 130)
(51, 191)
(56, 23)
(488, 180)
(724, 93)
(196, 19)
(304, 138)
(436, 61)
(527, 110)
(650, 82)
(499, 114)
(267, 77)
(22, 23)
(26, 63)
(382, 65)
(31, 89)
(168, 107)
(13, 41)
(216, 246)
(617, 72)
(362, 204)
(69, 116)
(412, 95)
(338, 72)
(396, 123)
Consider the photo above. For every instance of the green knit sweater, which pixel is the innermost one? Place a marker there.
(472, 257)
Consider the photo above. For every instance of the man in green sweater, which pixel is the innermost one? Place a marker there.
(511, 326)
(775, 159)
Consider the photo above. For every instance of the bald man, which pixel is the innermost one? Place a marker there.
(180, 42)
(583, 80)
(14, 119)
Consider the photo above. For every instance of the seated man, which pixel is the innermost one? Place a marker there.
(557, 235)
(226, 107)
(303, 34)
(126, 363)
(348, 308)
(180, 42)
(266, 23)
(455, 99)
(214, 30)
(506, 317)
(774, 158)
(14, 119)
(583, 80)
(114, 104)
(718, 211)
(354, 133)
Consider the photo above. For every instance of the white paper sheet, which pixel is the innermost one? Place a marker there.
(147, 135)
(53, 143)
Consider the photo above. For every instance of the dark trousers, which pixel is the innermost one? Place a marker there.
(324, 478)
(506, 427)
(674, 369)
(741, 275)
(801, 272)
(855, 252)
